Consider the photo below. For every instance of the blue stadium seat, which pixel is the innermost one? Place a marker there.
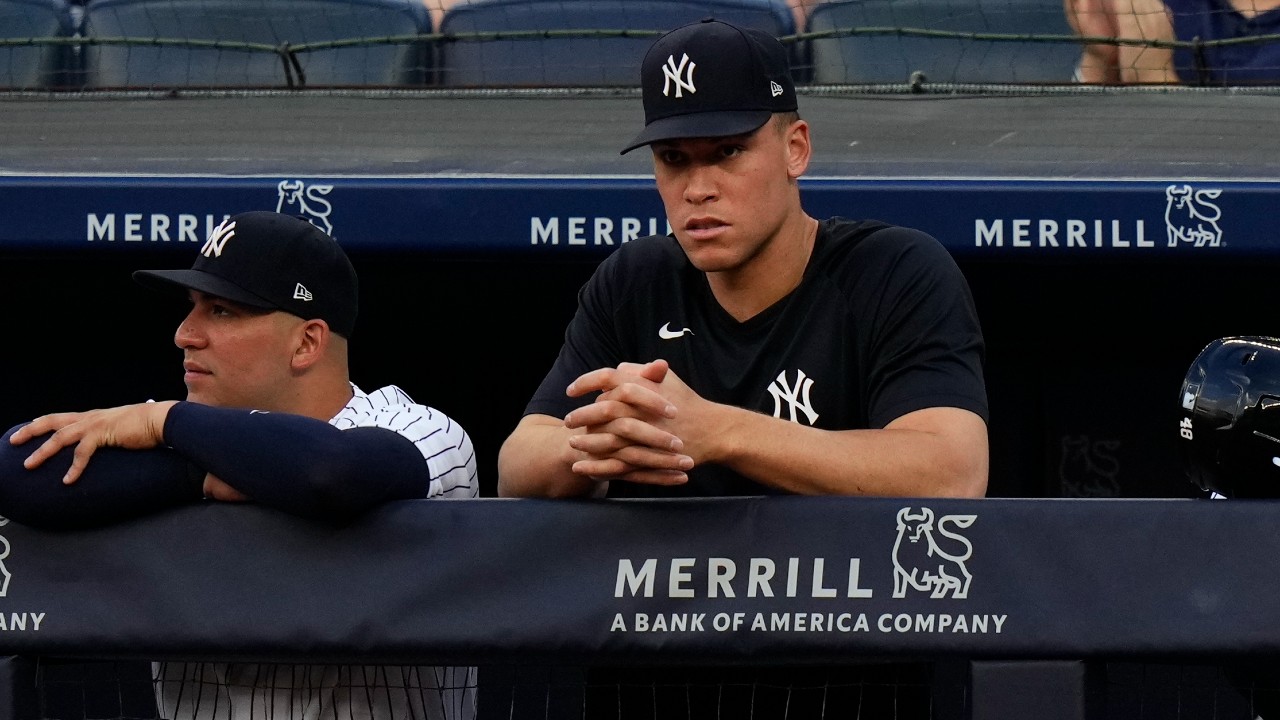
(36, 66)
(266, 22)
(893, 58)
(578, 61)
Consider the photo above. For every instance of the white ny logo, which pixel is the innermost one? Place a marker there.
(217, 239)
(671, 74)
(797, 396)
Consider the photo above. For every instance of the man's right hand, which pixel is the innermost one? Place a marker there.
(624, 433)
(133, 427)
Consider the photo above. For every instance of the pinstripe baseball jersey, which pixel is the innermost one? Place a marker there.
(252, 691)
(443, 443)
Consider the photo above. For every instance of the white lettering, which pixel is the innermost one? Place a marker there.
(722, 571)
(157, 227)
(628, 578)
(679, 577)
(762, 570)
(18, 621)
(630, 229)
(1048, 233)
(1075, 233)
(1116, 240)
(988, 235)
(187, 225)
(818, 589)
(855, 566)
(160, 227)
(133, 227)
(547, 233)
(604, 231)
(104, 229)
(936, 623)
(577, 236)
(1021, 229)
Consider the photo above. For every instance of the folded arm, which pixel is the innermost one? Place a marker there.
(648, 426)
(292, 463)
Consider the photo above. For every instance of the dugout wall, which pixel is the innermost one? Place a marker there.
(1104, 247)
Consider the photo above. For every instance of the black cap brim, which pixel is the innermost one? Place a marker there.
(700, 125)
(201, 281)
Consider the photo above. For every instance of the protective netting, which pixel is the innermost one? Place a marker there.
(174, 44)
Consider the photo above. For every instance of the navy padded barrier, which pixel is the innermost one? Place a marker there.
(578, 61)
(36, 66)
(265, 22)
(892, 58)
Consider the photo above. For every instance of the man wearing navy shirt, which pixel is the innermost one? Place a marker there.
(755, 351)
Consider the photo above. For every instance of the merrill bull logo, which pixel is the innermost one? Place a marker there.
(1191, 218)
(4, 553)
(920, 561)
(297, 198)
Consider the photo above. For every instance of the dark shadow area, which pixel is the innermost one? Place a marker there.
(1084, 359)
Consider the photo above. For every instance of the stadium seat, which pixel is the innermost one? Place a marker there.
(550, 61)
(270, 23)
(25, 67)
(892, 58)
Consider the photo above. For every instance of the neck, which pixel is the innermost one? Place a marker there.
(320, 399)
(771, 275)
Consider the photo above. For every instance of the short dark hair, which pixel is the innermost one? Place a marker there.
(783, 119)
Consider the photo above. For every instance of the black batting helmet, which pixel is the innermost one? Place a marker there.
(1230, 425)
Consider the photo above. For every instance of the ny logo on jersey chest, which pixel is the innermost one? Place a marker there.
(795, 395)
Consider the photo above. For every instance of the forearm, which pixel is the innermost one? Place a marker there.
(906, 459)
(296, 464)
(536, 461)
(117, 485)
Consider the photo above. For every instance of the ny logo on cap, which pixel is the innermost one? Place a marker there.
(218, 238)
(671, 73)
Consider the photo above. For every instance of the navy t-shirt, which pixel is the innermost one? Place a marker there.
(1236, 64)
(882, 324)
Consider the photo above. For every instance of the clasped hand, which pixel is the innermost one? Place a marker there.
(636, 429)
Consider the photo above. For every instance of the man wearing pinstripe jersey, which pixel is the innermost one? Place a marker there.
(272, 417)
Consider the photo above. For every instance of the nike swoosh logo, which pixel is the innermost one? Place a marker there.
(666, 333)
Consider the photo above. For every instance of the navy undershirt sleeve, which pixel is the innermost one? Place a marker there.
(297, 464)
(117, 485)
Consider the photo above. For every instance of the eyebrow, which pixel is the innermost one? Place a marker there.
(713, 140)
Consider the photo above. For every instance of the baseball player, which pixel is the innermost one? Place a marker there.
(271, 417)
(756, 350)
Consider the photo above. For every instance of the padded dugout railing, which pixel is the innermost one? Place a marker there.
(1017, 586)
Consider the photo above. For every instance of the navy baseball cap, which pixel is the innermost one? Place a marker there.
(712, 79)
(271, 261)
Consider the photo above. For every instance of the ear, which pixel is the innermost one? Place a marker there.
(798, 148)
(311, 343)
